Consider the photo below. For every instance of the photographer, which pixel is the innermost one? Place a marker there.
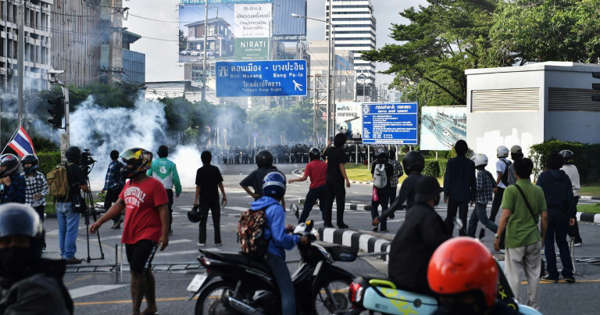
(69, 208)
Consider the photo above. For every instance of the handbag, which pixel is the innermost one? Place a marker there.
(503, 234)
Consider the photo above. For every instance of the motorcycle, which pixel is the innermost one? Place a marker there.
(382, 296)
(239, 284)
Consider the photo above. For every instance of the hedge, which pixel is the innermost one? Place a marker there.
(587, 157)
(435, 168)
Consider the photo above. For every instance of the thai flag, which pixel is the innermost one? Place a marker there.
(22, 144)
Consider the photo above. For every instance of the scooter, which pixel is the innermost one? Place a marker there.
(238, 284)
(382, 296)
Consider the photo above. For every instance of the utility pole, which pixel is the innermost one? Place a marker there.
(315, 110)
(20, 55)
(205, 75)
(329, 77)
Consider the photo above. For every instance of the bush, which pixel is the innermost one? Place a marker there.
(586, 157)
(435, 168)
(48, 160)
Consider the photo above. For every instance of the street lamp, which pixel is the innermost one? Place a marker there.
(330, 79)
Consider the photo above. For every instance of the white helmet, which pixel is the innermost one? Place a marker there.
(480, 159)
(502, 152)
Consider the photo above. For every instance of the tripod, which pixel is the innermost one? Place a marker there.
(90, 209)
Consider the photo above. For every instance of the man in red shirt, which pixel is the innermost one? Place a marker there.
(317, 171)
(145, 202)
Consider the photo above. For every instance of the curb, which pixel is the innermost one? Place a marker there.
(356, 240)
(588, 217)
(589, 198)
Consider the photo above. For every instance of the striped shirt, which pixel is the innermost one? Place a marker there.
(36, 184)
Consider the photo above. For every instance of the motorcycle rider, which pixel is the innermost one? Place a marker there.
(413, 164)
(276, 232)
(464, 275)
(421, 233)
(264, 161)
(12, 183)
(571, 170)
(29, 284)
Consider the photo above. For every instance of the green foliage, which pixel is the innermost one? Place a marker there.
(105, 95)
(435, 168)
(48, 160)
(586, 157)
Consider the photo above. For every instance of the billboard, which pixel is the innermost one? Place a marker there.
(390, 123)
(442, 126)
(348, 119)
(235, 29)
(283, 23)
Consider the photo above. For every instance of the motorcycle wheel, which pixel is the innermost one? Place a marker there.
(332, 291)
(209, 300)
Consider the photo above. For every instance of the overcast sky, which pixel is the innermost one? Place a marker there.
(159, 38)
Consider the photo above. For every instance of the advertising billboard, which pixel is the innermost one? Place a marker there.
(235, 29)
(442, 126)
(348, 119)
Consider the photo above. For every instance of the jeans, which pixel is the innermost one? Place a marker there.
(215, 209)
(558, 225)
(170, 196)
(528, 260)
(496, 203)
(337, 190)
(479, 215)
(383, 195)
(463, 208)
(322, 194)
(284, 282)
(68, 226)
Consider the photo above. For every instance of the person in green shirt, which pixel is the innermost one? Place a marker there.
(523, 238)
(165, 171)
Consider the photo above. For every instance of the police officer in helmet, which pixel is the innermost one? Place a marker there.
(29, 284)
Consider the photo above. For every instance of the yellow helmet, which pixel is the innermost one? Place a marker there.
(137, 160)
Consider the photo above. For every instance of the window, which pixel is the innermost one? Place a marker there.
(562, 99)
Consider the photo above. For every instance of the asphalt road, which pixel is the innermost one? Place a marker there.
(103, 293)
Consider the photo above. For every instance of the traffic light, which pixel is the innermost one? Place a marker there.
(56, 110)
(596, 88)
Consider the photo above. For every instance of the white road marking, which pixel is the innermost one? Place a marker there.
(52, 233)
(240, 209)
(93, 289)
(183, 252)
(112, 237)
(179, 241)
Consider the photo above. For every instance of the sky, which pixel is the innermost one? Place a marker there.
(156, 21)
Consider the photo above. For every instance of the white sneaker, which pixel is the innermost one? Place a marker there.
(200, 244)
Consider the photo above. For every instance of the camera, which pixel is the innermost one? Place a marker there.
(87, 158)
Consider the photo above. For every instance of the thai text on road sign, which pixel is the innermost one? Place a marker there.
(394, 123)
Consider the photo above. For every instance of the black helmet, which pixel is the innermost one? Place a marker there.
(264, 159)
(413, 161)
(194, 215)
(19, 219)
(137, 160)
(567, 155)
(427, 188)
(9, 164)
(314, 154)
(29, 159)
(73, 155)
(380, 153)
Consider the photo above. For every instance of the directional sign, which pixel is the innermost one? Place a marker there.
(390, 123)
(261, 78)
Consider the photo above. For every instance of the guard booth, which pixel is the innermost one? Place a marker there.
(530, 104)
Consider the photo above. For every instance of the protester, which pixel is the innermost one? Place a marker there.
(264, 161)
(382, 172)
(36, 188)
(571, 170)
(208, 179)
(516, 153)
(166, 172)
(336, 175)
(113, 183)
(421, 233)
(279, 240)
(502, 167)
(464, 275)
(413, 163)
(316, 170)
(561, 212)
(67, 208)
(395, 177)
(146, 228)
(12, 184)
(29, 284)
(459, 186)
(483, 195)
(524, 203)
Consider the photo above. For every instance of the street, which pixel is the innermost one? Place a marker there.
(103, 293)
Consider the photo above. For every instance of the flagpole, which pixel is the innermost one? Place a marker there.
(11, 139)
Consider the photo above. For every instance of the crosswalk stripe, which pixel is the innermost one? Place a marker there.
(93, 289)
(183, 252)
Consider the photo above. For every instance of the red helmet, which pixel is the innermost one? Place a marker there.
(463, 264)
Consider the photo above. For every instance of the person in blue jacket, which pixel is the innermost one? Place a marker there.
(12, 184)
(279, 237)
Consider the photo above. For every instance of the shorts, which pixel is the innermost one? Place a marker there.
(140, 255)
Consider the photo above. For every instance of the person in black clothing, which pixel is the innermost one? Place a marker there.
(413, 164)
(113, 184)
(208, 178)
(561, 213)
(421, 233)
(29, 284)
(459, 186)
(12, 184)
(264, 161)
(381, 167)
(336, 175)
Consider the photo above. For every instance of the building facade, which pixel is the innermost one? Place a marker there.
(134, 63)
(37, 44)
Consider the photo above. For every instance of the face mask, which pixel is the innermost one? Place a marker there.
(15, 262)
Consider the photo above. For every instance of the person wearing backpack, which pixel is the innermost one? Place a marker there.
(382, 172)
(571, 170)
(502, 167)
(483, 195)
(277, 234)
(12, 184)
(561, 212)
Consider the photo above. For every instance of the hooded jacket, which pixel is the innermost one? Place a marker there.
(279, 240)
(16, 191)
(558, 192)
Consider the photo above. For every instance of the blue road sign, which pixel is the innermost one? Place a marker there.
(261, 78)
(390, 123)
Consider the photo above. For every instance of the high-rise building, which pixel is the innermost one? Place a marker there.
(354, 29)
